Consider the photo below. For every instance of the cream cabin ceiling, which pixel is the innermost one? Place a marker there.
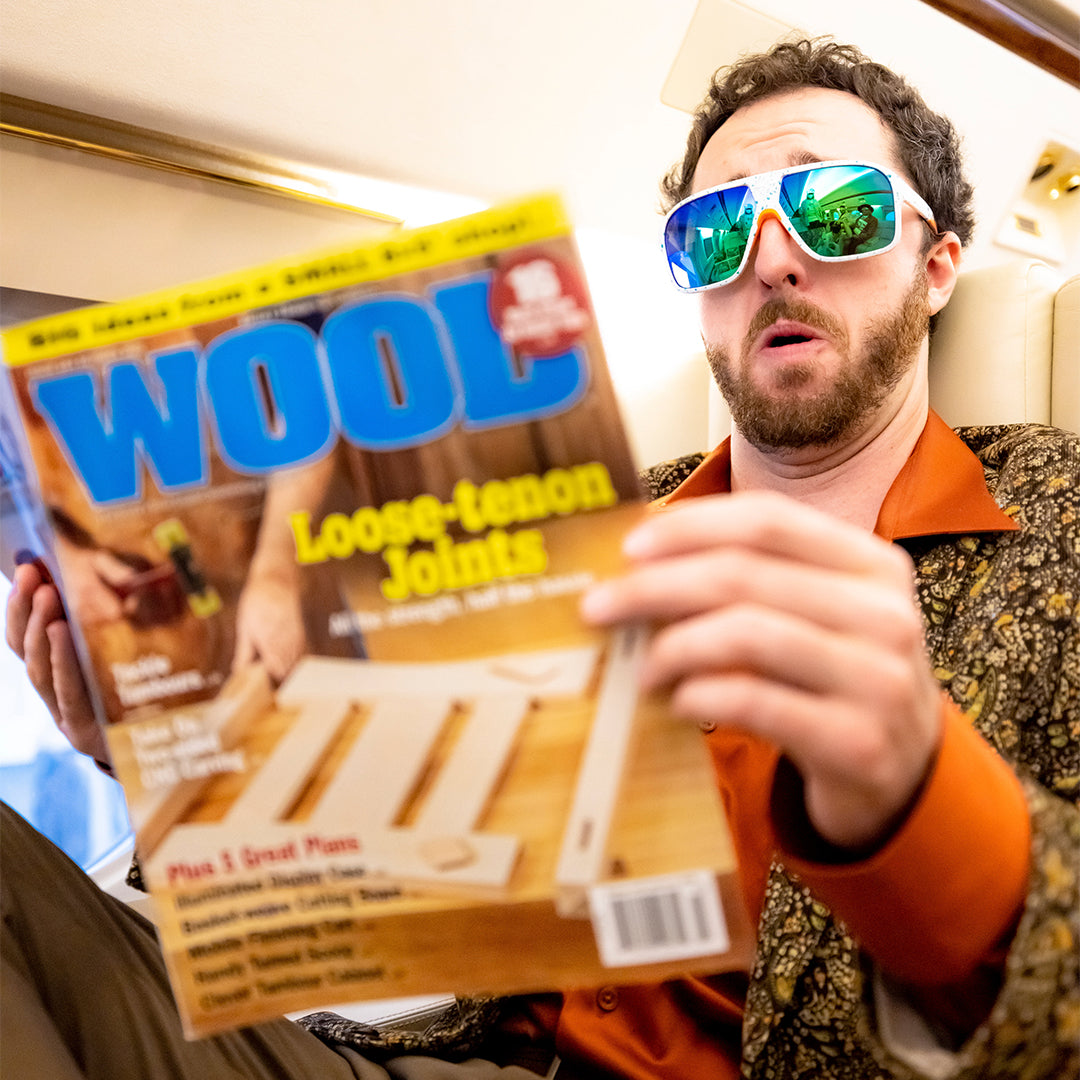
(489, 98)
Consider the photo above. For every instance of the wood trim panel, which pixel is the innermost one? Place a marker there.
(56, 126)
(1044, 33)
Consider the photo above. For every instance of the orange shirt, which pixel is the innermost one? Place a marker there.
(932, 905)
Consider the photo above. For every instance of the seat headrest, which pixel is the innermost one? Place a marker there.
(991, 352)
(1065, 393)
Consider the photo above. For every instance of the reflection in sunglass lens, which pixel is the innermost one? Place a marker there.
(706, 238)
(840, 209)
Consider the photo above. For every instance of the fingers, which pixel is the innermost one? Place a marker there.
(36, 652)
(278, 656)
(75, 715)
(769, 524)
(89, 579)
(244, 653)
(775, 712)
(270, 627)
(851, 795)
(748, 603)
(279, 644)
(38, 632)
(771, 644)
(278, 649)
(861, 755)
(281, 653)
(684, 585)
(797, 627)
(111, 570)
(811, 685)
(823, 696)
(25, 582)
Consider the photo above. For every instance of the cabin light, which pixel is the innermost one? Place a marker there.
(1045, 164)
(1065, 185)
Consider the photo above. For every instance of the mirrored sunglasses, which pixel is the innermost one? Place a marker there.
(836, 211)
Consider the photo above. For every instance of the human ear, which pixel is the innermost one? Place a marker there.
(942, 266)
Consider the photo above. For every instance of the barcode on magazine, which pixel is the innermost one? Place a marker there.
(661, 918)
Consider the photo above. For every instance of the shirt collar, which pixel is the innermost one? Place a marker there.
(940, 490)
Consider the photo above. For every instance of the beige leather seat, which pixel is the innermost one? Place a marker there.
(1007, 348)
(1065, 385)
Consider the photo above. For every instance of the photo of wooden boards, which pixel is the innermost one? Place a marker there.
(413, 758)
(490, 798)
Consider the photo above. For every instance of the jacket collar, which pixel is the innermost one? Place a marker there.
(940, 490)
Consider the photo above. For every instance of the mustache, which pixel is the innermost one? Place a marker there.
(797, 311)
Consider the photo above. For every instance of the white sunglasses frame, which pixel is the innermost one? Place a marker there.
(765, 191)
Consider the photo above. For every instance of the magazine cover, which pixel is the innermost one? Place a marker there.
(322, 530)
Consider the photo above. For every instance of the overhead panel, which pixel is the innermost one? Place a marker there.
(720, 31)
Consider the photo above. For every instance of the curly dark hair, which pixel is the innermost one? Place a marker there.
(927, 143)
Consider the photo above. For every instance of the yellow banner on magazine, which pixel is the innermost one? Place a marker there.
(404, 251)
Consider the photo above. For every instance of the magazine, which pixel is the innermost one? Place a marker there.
(322, 529)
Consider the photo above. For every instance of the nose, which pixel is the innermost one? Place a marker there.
(775, 258)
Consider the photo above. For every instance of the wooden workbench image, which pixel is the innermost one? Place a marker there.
(385, 827)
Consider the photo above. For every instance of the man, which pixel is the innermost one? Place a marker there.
(812, 215)
(795, 635)
(863, 230)
(789, 629)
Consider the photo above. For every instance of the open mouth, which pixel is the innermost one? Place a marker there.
(788, 339)
(794, 334)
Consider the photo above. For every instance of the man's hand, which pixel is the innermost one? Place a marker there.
(269, 623)
(38, 633)
(799, 628)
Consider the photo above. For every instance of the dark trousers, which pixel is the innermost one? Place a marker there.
(84, 993)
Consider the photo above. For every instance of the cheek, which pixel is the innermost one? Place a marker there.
(870, 291)
(716, 317)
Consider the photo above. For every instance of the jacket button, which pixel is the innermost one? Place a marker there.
(607, 998)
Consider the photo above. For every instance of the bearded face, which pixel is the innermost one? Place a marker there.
(779, 416)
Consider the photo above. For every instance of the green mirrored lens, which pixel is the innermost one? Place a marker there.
(705, 238)
(841, 209)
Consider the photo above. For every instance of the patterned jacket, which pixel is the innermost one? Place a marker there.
(1002, 615)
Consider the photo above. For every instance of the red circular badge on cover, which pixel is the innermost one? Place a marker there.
(538, 303)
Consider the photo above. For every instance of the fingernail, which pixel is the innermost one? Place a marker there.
(596, 604)
(25, 557)
(638, 542)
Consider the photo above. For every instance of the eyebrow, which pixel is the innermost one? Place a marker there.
(799, 157)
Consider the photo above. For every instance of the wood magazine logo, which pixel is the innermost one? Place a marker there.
(385, 373)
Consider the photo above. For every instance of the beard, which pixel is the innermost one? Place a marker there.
(774, 421)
